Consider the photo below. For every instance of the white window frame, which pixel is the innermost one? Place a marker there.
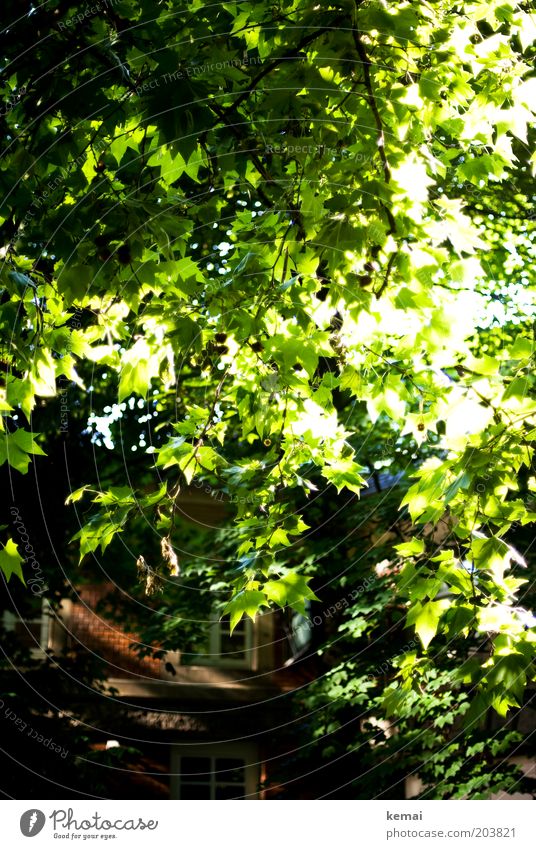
(215, 641)
(214, 656)
(10, 621)
(243, 751)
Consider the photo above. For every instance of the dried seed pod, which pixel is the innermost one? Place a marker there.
(147, 575)
(170, 558)
(142, 567)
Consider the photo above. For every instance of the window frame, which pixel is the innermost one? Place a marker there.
(38, 650)
(243, 751)
(228, 660)
(214, 655)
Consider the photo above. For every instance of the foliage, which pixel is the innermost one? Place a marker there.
(300, 236)
(355, 732)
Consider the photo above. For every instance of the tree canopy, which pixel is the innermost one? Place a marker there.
(287, 246)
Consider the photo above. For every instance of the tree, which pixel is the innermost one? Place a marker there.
(300, 235)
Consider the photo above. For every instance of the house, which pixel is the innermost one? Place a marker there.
(206, 725)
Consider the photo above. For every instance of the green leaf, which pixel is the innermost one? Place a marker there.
(11, 561)
(509, 672)
(75, 282)
(21, 280)
(522, 348)
(519, 387)
(491, 554)
(77, 494)
(292, 590)
(43, 373)
(426, 621)
(17, 448)
(246, 602)
(345, 474)
(134, 380)
(101, 528)
(412, 548)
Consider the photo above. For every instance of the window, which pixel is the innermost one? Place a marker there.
(212, 778)
(300, 633)
(32, 631)
(39, 627)
(223, 648)
(234, 649)
(219, 772)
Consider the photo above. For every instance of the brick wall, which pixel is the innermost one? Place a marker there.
(105, 639)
